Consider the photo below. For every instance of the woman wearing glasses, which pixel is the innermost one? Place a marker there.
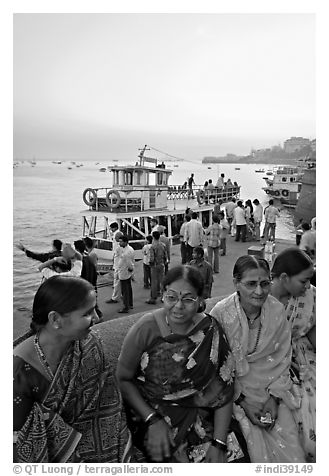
(292, 272)
(176, 373)
(260, 338)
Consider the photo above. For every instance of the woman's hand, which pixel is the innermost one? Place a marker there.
(253, 412)
(215, 455)
(271, 407)
(159, 441)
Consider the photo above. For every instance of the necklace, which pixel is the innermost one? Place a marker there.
(167, 322)
(42, 358)
(257, 338)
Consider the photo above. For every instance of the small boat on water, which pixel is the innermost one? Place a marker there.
(142, 192)
(269, 172)
(260, 170)
(237, 168)
(103, 169)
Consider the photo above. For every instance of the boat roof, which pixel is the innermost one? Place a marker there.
(128, 168)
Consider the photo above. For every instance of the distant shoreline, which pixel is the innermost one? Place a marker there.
(245, 161)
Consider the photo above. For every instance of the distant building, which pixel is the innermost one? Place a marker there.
(295, 143)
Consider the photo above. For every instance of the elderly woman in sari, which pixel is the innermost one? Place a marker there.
(175, 373)
(260, 339)
(291, 273)
(66, 405)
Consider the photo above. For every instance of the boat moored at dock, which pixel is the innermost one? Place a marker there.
(139, 193)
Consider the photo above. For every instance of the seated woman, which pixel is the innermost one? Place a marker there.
(66, 405)
(291, 274)
(260, 339)
(175, 373)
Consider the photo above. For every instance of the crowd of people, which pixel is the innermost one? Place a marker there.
(234, 384)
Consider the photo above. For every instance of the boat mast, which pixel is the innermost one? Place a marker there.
(141, 154)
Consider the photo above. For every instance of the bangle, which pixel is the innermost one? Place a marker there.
(219, 444)
(240, 398)
(150, 415)
(153, 418)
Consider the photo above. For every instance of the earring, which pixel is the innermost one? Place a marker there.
(202, 306)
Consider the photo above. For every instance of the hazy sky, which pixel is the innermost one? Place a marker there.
(103, 85)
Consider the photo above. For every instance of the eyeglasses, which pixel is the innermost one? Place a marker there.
(174, 298)
(254, 284)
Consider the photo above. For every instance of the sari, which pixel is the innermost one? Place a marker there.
(262, 372)
(301, 317)
(185, 378)
(80, 416)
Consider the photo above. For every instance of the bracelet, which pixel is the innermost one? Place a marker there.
(219, 444)
(240, 398)
(154, 418)
(149, 416)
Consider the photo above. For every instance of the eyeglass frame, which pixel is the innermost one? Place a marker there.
(181, 299)
(258, 283)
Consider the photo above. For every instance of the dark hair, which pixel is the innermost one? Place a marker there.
(156, 235)
(57, 244)
(270, 202)
(247, 262)
(221, 214)
(199, 250)
(79, 245)
(306, 226)
(291, 261)
(215, 219)
(124, 238)
(239, 203)
(114, 225)
(154, 219)
(249, 204)
(188, 217)
(256, 201)
(189, 273)
(62, 266)
(194, 215)
(88, 242)
(210, 181)
(63, 294)
(149, 238)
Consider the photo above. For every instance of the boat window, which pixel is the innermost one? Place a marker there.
(284, 179)
(138, 178)
(159, 179)
(128, 178)
(151, 180)
(292, 179)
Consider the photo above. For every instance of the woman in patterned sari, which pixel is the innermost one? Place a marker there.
(175, 373)
(66, 405)
(291, 273)
(260, 339)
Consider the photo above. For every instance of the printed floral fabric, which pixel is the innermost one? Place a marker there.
(186, 378)
(301, 316)
(76, 417)
(261, 373)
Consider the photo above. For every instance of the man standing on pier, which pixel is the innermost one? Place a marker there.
(240, 222)
(271, 213)
(158, 259)
(193, 236)
(126, 266)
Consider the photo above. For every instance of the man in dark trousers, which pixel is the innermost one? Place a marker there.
(158, 259)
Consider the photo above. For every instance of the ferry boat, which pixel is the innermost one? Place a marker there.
(141, 192)
(285, 185)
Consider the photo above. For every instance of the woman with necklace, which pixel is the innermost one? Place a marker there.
(63, 387)
(175, 372)
(260, 339)
(291, 273)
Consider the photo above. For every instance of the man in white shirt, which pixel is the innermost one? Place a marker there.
(183, 246)
(126, 266)
(193, 236)
(240, 222)
(229, 208)
(271, 213)
(154, 225)
(116, 294)
(69, 264)
(258, 217)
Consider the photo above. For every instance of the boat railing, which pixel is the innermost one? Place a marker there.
(132, 198)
